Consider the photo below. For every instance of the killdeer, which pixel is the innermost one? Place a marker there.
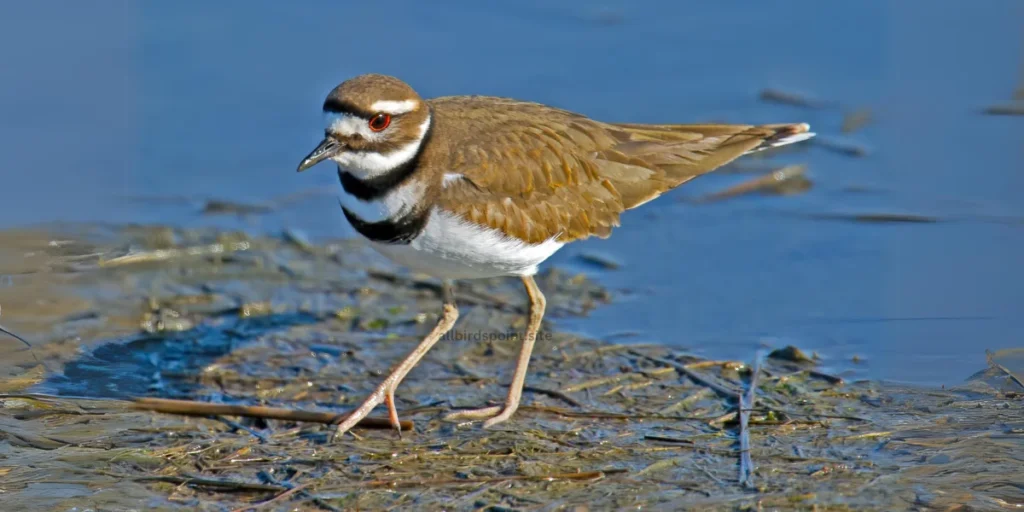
(464, 187)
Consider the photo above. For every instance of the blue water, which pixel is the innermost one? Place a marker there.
(136, 112)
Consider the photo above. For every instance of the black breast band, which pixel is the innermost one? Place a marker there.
(399, 231)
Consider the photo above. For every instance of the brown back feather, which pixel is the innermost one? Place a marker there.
(539, 173)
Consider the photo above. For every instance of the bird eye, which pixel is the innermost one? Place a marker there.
(379, 122)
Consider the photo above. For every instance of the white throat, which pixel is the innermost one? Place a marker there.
(370, 164)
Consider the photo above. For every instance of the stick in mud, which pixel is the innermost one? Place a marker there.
(436, 482)
(696, 377)
(746, 404)
(216, 483)
(192, 408)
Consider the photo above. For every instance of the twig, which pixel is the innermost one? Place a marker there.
(175, 253)
(602, 415)
(710, 475)
(276, 499)
(434, 482)
(681, 368)
(601, 381)
(746, 403)
(224, 485)
(553, 393)
(235, 426)
(471, 497)
(266, 477)
(666, 439)
(192, 408)
(46, 396)
(662, 464)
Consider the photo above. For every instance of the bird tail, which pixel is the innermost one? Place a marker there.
(783, 134)
(650, 159)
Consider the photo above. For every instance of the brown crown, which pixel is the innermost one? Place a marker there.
(357, 95)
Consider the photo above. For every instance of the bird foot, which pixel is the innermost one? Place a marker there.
(493, 415)
(380, 395)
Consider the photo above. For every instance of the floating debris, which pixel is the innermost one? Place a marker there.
(841, 145)
(221, 207)
(602, 261)
(170, 254)
(856, 120)
(792, 98)
(880, 218)
(1013, 108)
(787, 180)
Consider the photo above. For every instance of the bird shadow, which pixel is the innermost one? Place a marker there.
(163, 364)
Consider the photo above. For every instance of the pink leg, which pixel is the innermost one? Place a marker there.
(515, 390)
(385, 392)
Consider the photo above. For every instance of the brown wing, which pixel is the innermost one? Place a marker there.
(538, 172)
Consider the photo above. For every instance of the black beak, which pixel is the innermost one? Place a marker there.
(327, 148)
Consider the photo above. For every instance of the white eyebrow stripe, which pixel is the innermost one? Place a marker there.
(394, 107)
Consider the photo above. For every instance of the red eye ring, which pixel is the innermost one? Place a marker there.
(379, 122)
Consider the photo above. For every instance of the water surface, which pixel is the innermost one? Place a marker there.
(137, 112)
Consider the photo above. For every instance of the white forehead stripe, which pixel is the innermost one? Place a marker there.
(394, 107)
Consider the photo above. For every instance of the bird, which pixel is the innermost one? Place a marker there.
(470, 187)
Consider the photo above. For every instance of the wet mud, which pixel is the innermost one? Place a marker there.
(119, 313)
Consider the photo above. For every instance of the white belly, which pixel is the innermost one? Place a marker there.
(451, 248)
